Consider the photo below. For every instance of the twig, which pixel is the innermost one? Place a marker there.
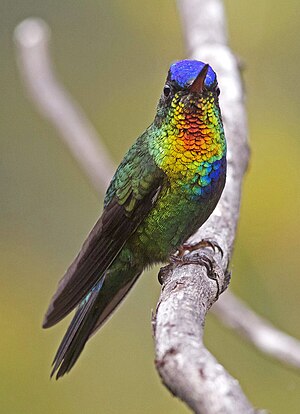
(236, 315)
(55, 104)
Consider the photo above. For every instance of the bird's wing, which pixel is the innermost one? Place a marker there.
(131, 195)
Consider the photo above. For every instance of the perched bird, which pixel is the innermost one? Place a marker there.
(166, 187)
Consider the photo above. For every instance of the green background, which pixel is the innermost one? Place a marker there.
(113, 57)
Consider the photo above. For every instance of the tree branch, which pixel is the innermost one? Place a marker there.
(55, 104)
(185, 365)
(258, 331)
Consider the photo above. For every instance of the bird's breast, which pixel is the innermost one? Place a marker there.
(190, 160)
(177, 214)
(189, 144)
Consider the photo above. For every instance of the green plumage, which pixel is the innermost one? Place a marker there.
(165, 188)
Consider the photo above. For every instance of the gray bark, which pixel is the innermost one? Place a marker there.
(184, 364)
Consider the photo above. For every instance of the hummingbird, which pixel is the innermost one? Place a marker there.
(166, 187)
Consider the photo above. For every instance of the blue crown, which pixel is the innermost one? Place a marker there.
(184, 71)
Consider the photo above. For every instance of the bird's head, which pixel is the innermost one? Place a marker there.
(191, 88)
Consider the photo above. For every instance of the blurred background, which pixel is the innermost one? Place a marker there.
(113, 57)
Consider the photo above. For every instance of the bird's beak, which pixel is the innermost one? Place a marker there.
(198, 85)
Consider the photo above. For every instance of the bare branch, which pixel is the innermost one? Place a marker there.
(54, 103)
(261, 333)
(186, 367)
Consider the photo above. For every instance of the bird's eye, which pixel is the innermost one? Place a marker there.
(167, 90)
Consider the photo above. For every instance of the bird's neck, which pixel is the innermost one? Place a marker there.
(188, 141)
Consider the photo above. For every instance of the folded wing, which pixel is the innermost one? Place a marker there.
(131, 195)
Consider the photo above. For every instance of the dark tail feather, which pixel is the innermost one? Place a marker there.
(90, 315)
(77, 334)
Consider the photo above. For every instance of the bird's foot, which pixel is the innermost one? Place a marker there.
(191, 247)
(183, 256)
(214, 270)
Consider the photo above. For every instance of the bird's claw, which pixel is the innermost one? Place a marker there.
(214, 271)
(190, 247)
